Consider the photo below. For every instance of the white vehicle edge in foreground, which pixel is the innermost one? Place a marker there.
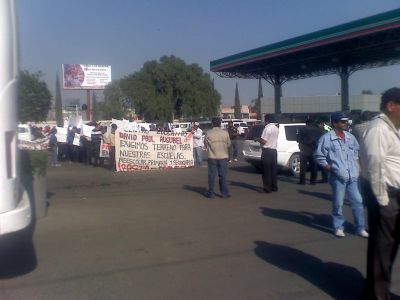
(15, 209)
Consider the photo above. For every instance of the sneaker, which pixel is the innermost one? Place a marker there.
(363, 233)
(230, 161)
(339, 233)
(235, 159)
(209, 195)
(225, 196)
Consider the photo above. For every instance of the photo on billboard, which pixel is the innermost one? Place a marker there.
(85, 77)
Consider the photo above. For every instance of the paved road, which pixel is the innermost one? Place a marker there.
(152, 235)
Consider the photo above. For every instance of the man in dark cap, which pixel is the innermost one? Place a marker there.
(337, 152)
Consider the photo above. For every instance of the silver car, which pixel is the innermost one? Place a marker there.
(287, 148)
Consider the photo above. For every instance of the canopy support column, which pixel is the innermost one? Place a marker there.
(344, 74)
(277, 81)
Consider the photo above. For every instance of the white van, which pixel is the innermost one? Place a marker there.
(15, 209)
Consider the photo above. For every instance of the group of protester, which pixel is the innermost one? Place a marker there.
(88, 149)
(366, 168)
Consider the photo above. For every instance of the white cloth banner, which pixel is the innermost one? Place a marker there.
(39, 144)
(153, 150)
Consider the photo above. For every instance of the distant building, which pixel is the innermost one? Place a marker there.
(228, 112)
(320, 104)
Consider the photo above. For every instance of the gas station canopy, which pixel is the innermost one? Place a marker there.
(366, 43)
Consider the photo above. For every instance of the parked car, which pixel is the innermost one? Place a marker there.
(241, 127)
(25, 133)
(287, 148)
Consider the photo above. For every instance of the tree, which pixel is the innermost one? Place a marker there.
(366, 92)
(169, 88)
(237, 107)
(114, 100)
(58, 104)
(34, 99)
(95, 108)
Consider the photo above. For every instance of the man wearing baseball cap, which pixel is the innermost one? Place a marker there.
(337, 153)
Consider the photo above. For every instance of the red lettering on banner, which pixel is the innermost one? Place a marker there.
(147, 138)
(171, 139)
(127, 136)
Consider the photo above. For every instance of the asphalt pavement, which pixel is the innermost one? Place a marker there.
(153, 235)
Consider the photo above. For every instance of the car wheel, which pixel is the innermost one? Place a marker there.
(294, 164)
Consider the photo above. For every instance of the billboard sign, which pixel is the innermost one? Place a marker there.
(85, 77)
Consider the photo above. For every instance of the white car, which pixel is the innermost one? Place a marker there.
(287, 148)
(24, 133)
(241, 127)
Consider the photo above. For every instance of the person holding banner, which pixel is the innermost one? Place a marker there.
(54, 147)
(217, 143)
(72, 148)
(112, 146)
(96, 141)
(197, 144)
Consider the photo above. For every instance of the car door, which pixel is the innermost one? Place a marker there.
(252, 149)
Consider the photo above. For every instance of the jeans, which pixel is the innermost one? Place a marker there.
(339, 188)
(233, 150)
(198, 156)
(220, 166)
(54, 155)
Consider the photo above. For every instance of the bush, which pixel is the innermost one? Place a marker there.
(34, 162)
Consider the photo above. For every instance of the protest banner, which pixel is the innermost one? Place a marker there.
(77, 139)
(61, 134)
(38, 144)
(152, 150)
(87, 130)
(104, 149)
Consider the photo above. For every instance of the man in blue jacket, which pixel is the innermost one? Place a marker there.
(337, 153)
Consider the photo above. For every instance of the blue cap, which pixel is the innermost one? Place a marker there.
(339, 116)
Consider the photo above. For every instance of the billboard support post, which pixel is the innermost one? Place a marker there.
(88, 112)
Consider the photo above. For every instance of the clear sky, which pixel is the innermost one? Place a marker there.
(127, 33)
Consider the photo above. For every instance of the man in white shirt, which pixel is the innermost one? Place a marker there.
(381, 168)
(197, 144)
(269, 155)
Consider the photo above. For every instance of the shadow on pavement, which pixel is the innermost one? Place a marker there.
(321, 222)
(323, 196)
(243, 168)
(319, 195)
(195, 189)
(17, 254)
(246, 185)
(336, 280)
